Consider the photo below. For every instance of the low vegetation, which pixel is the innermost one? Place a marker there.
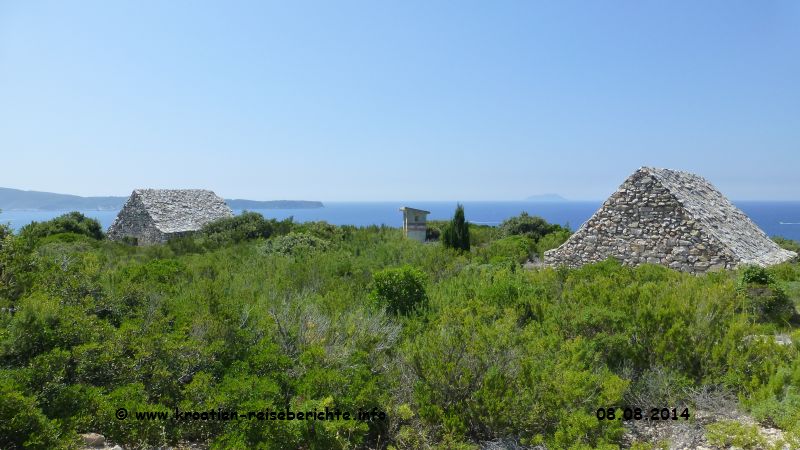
(457, 347)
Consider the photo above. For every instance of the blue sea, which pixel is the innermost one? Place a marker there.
(775, 218)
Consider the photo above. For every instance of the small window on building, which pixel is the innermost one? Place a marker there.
(416, 218)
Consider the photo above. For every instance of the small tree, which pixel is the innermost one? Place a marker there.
(456, 233)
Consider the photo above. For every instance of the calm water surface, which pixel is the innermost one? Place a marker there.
(775, 218)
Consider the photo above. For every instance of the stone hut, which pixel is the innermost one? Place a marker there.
(415, 223)
(153, 216)
(672, 218)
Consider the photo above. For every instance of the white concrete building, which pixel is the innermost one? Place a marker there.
(414, 223)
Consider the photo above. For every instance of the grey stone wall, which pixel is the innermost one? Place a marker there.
(643, 222)
(134, 221)
(720, 219)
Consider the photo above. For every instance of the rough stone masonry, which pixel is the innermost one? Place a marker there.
(154, 216)
(672, 218)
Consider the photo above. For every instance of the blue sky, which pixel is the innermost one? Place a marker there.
(390, 100)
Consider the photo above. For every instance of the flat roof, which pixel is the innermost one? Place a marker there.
(406, 208)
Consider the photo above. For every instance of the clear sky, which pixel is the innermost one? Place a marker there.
(398, 100)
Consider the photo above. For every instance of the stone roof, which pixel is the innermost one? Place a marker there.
(180, 210)
(673, 218)
(720, 218)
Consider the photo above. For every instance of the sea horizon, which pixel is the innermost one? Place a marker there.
(775, 217)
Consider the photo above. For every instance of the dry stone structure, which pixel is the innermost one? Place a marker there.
(156, 215)
(672, 218)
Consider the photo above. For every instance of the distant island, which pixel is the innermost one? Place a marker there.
(546, 198)
(19, 200)
(15, 199)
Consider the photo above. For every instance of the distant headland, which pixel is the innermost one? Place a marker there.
(19, 200)
(546, 198)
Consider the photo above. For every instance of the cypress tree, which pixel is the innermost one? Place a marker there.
(456, 234)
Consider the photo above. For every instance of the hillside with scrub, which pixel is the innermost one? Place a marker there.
(463, 347)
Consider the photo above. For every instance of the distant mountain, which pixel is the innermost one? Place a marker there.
(11, 199)
(546, 198)
(15, 199)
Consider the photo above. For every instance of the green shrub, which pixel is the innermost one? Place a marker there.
(552, 240)
(295, 243)
(533, 227)
(66, 238)
(475, 350)
(787, 244)
(245, 226)
(659, 386)
(161, 271)
(728, 433)
(400, 290)
(17, 267)
(764, 296)
(481, 234)
(5, 230)
(514, 248)
(777, 402)
(786, 272)
(42, 323)
(22, 424)
(131, 432)
(479, 377)
(757, 275)
(322, 230)
(649, 445)
(73, 222)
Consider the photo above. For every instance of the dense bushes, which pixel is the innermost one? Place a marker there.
(5, 230)
(542, 235)
(73, 222)
(787, 244)
(22, 423)
(226, 232)
(552, 240)
(246, 226)
(766, 299)
(294, 243)
(399, 290)
(457, 348)
(511, 248)
(533, 227)
(480, 376)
